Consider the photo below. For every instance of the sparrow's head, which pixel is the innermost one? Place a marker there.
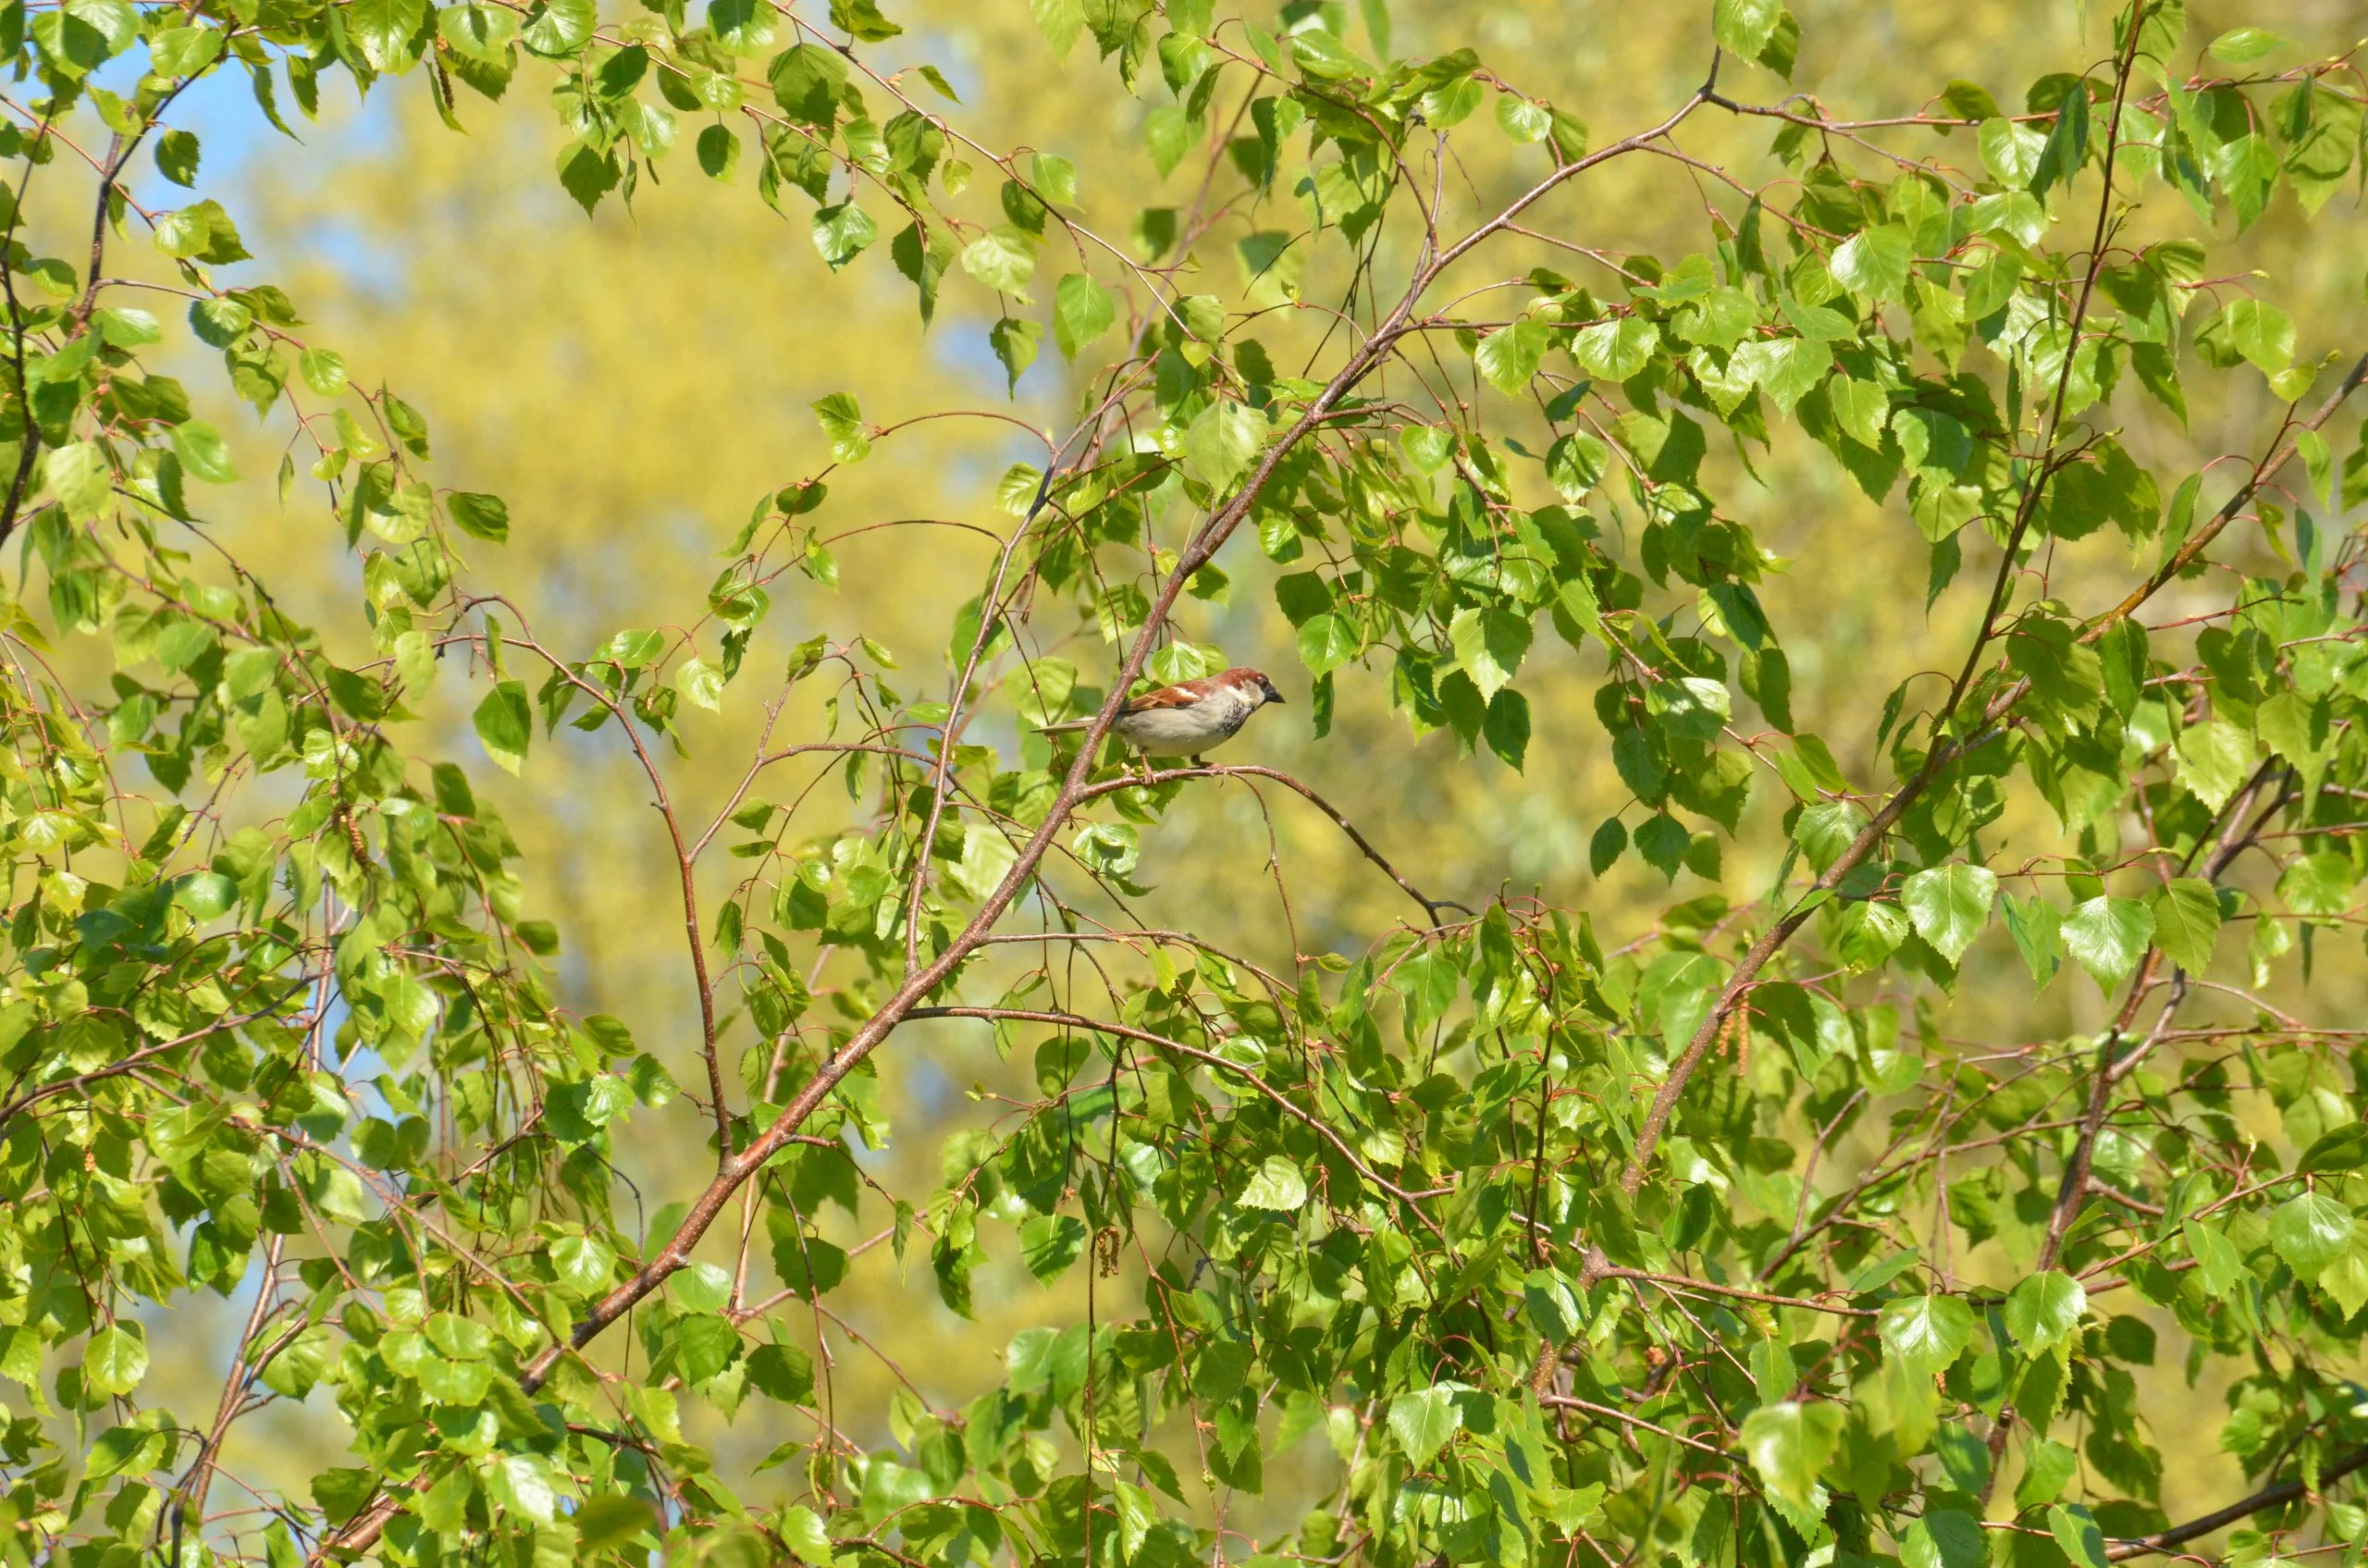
(1252, 682)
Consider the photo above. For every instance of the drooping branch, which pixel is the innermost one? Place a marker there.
(1208, 1059)
(120, 148)
(190, 1505)
(2110, 1068)
(1871, 836)
(1431, 907)
(2200, 540)
(1747, 973)
(1734, 1292)
(991, 612)
(686, 858)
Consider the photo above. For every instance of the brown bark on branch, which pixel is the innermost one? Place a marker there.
(2243, 1508)
(1431, 907)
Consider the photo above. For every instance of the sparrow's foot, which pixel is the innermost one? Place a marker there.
(1198, 761)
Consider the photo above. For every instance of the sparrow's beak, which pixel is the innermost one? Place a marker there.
(1274, 695)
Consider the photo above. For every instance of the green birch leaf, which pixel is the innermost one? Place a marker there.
(582, 1263)
(1525, 120)
(1826, 828)
(1790, 1444)
(521, 1483)
(1872, 263)
(718, 151)
(1946, 1538)
(1664, 841)
(1616, 350)
(2317, 883)
(1609, 843)
(2045, 1309)
(1490, 646)
(701, 684)
(1082, 311)
(479, 516)
(614, 1519)
(201, 451)
(1788, 369)
(2216, 1258)
(2309, 1230)
(1222, 442)
(564, 27)
(1049, 1243)
(2246, 330)
(1510, 356)
(128, 328)
(324, 371)
(1743, 26)
(2187, 922)
(1326, 642)
(1424, 1421)
(177, 156)
(2214, 759)
(701, 1287)
(383, 31)
(2077, 1533)
(1506, 727)
(861, 20)
(2243, 45)
(1554, 1307)
(1861, 408)
(2108, 936)
(505, 722)
(1001, 260)
(2346, 1280)
(2345, 1148)
(1576, 463)
(2010, 153)
(116, 1360)
(1927, 1332)
(1949, 905)
(1015, 343)
(184, 51)
(842, 420)
(78, 473)
(800, 1529)
(1869, 933)
(843, 233)
(1060, 21)
(1279, 1185)
(987, 854)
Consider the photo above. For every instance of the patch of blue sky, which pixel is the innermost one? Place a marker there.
(241, 150)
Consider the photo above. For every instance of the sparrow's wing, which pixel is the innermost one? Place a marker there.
(1184, 694)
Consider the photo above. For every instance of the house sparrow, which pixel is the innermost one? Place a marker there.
(1187, 718)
